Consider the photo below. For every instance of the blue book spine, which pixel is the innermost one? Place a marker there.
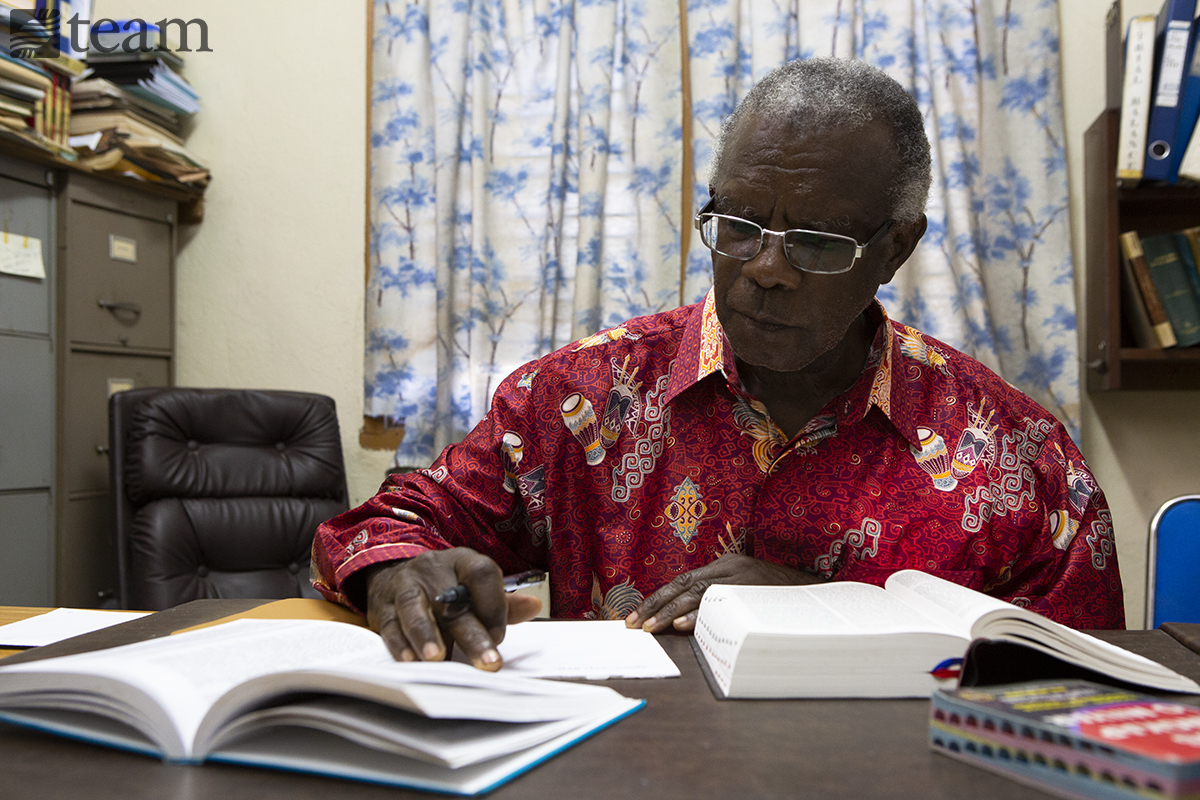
(1173, 34)
(1189, 107)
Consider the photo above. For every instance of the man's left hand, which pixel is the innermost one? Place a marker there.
(675, 605)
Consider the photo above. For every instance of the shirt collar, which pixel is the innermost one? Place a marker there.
(705, 350)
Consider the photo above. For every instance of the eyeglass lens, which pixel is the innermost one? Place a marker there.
(811, 251)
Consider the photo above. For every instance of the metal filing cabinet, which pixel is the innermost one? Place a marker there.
(27, 391)
(100, 321)
(115, 306)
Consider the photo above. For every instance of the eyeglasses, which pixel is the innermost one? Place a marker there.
(808, 251)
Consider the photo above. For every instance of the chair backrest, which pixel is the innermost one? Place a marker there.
(1173, 563)
(219, 491)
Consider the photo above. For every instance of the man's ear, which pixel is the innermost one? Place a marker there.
(904, 240)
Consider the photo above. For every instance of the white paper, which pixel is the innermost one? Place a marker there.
(61, 623)
(582, 649)
(21, 255)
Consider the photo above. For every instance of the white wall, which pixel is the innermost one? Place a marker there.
(1144, 447)
(269, 288)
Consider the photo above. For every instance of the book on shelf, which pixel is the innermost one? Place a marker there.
(1169, 274)
(848, 639)
(1133, 312)
(1136, 97)
(167, 57)
(1187, 241)
(15, 105)
(1173, 28)
(153, 81)
(21, 91)
(311, 696)
(23, 72)
(133, 124)
(1134, 260)
(1072, 738)
(97, 95)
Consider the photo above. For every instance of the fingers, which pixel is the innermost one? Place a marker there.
(522, 607)
(417, 623)
(676, 600)
(686, 623)
(393, 637)
(485, 582)
(401, 606)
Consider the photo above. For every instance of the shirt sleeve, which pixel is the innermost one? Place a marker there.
(1069, 572)
(468, 497)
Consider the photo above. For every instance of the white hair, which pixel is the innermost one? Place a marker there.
(850, 94)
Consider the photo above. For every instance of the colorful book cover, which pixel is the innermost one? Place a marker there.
(1073, 735)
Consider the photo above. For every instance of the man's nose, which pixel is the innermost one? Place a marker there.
(770, 267)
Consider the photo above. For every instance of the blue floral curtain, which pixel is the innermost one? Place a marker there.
(530, 183)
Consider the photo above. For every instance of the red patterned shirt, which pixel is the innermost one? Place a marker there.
(634, 455)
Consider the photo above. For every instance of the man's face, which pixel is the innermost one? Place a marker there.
(819, 178)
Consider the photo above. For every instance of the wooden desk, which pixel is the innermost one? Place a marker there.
(684, 744)
(16, 614)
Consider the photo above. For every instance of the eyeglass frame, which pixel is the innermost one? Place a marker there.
(698, 222)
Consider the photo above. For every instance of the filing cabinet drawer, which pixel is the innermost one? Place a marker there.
(91, 377)
(86, 564)
(27, 568)
(25, 220)
(26, 413)
(118, 279)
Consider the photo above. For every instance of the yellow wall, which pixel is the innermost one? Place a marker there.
(269, 288)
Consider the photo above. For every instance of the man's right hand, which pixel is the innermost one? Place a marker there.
(401, 606)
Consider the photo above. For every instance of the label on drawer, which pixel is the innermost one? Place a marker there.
(122, 248)
(21, 255)
(119, 385)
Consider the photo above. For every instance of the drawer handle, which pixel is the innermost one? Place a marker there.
(132, 311)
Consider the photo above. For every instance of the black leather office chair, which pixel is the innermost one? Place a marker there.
(219, 491)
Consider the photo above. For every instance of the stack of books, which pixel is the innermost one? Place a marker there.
(1073, 738)
(129, 115)
(35, 88)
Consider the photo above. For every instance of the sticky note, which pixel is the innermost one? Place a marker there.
(21, 255)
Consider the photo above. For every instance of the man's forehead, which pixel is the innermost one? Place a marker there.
(768, 160)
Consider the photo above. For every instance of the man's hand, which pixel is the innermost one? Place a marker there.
(401, 606)
(675, 604)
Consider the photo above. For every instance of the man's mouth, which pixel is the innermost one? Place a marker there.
(764, 323)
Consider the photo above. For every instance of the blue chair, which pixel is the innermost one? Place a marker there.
(1173, 563)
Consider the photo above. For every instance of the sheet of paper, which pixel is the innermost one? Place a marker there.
(61, 623)
(21, 255)
(582, 649)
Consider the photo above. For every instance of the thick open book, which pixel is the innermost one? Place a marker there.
(311, 696)
(847, 639)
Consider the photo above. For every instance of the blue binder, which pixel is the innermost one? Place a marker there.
(1189, 109)
(1171, 50)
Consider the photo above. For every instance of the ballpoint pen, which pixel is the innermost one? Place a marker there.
(461, 595)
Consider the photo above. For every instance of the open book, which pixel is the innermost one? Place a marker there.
(311, 696)
(847, 639)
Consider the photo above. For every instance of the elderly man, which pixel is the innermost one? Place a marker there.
(782, 431)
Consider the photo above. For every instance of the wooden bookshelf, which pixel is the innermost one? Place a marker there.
(1112, 360)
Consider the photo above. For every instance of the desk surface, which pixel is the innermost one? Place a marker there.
(683, 744)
